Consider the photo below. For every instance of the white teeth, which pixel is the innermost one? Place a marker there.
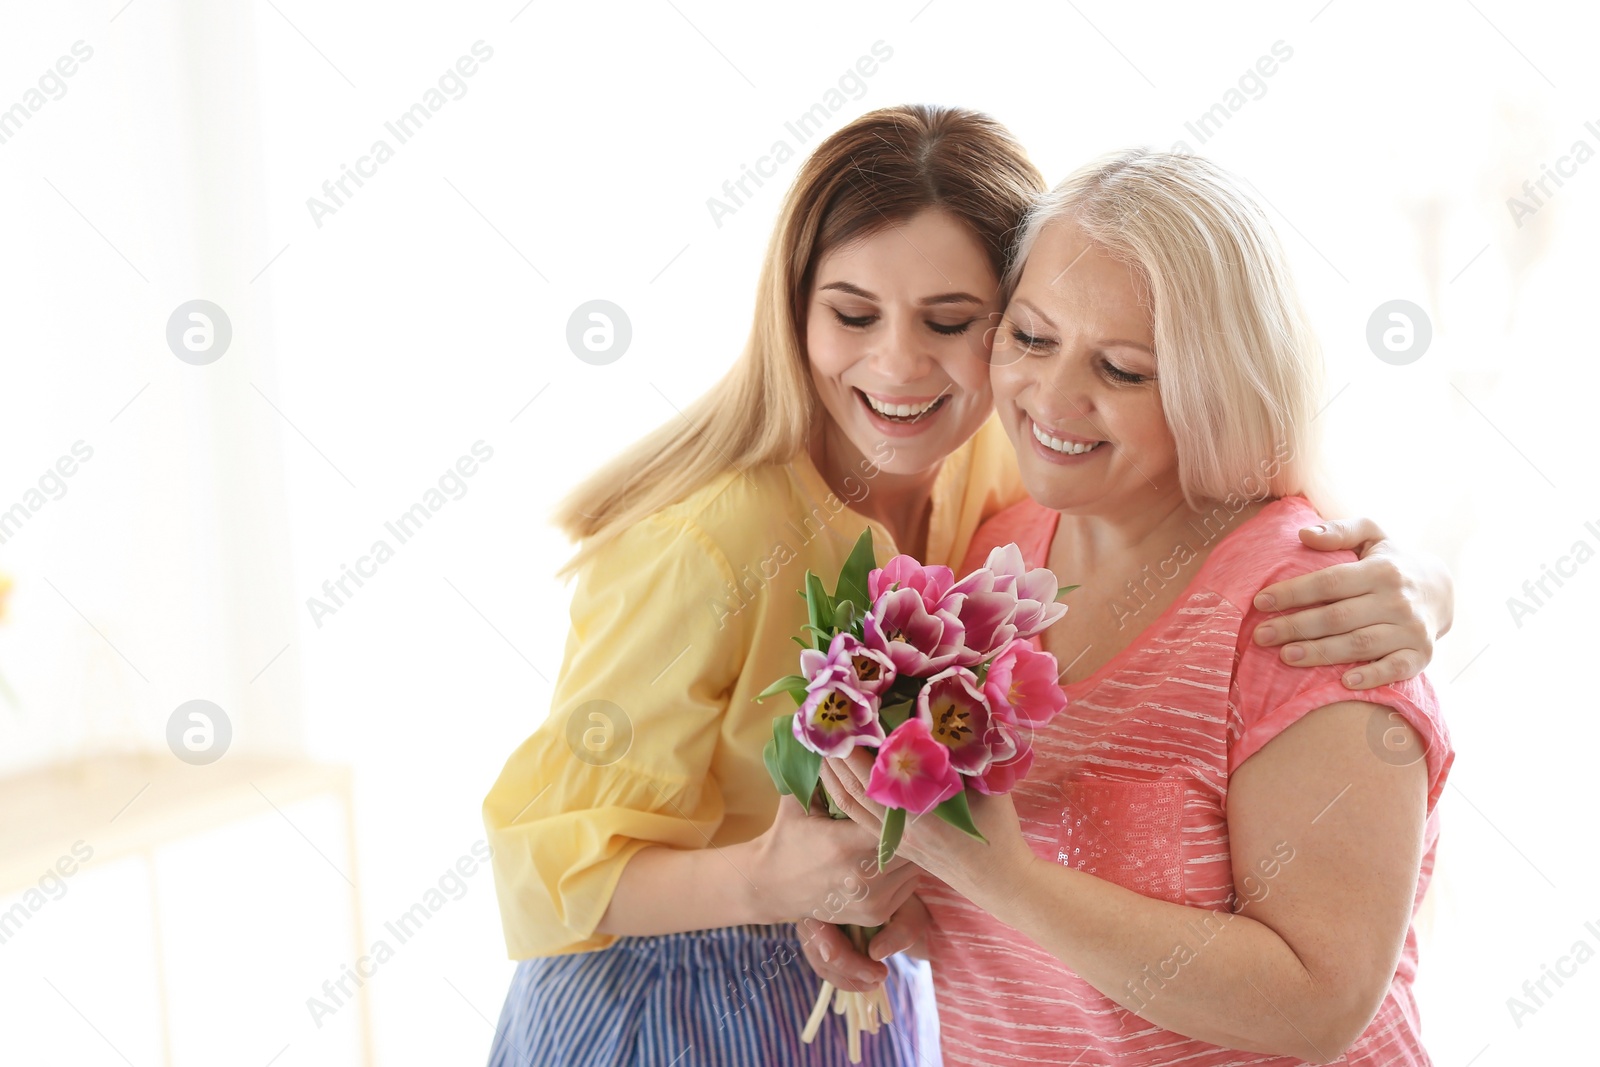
(1075, 448)
(900, 411)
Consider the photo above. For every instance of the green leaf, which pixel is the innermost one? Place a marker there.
(793, 684)
(794, 767)
(894, 824)
(1063, 592)
(769, 756)
(844, 614)
(853, 576)
(820, 607)
(800, 641)
(955, 812)
(834, 810)
(892, 715)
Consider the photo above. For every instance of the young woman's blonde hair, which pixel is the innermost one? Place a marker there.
(1237, 365)
(881, 169)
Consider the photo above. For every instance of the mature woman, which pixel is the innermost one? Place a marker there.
(1215, 858)
(648, 879)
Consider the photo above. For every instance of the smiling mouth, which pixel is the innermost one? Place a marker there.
(903, 413)
(1056, 444)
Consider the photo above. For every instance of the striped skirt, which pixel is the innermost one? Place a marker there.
(730, 997)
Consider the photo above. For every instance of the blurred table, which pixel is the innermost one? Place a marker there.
(129, 804)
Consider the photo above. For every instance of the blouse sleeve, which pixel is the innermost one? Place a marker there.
(623, 759)
(1269, 696)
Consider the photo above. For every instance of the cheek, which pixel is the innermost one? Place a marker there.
(1142, 424)
(827, 352)
(969, 368)
(1006, 382)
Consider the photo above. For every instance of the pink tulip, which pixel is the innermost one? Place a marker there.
(986, 618)
(1025, 683)
(1004, 774)
(912, 770)
(932, 584)
(957, 715)
(1035, 589)
(916, 641)
(836, 716)
(872, 672)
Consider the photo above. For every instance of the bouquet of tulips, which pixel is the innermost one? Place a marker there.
(938, 677)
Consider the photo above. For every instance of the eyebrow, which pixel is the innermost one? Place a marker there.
(930, 301)
(1104, 342)
(1048, 321)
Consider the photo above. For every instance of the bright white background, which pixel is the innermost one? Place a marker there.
(429, 312)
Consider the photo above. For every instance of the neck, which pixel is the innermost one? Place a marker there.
(1135, 561)
(1150, 524)
(903, 503)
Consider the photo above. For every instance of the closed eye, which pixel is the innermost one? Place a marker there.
(1116, 373)
(1028, 341)
(861, 322)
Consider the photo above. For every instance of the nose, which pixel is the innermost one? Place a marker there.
(1063, 392)
(902, 355)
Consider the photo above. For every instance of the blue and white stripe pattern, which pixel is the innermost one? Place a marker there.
(733, 997)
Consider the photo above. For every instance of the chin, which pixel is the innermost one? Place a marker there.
(905, 458)
(1058, 491)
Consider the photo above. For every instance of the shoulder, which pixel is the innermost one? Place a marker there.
(1027, 523)
(1268, 695)
(1266, 548)
(738, 512)
(735, 517)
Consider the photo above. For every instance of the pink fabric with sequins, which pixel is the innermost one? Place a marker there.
(1131, 784)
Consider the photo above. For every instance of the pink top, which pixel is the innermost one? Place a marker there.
(1142, 757)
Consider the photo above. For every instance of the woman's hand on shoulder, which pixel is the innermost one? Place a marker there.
(1381, 613)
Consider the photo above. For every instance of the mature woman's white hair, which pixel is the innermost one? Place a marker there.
(1239, 370)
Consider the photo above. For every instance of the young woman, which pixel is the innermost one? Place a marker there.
(647, 876)
(1215, 858)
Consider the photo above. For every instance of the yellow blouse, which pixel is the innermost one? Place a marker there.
(654, 736)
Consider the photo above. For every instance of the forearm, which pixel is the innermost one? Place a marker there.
(670, 891)
(1220, 977)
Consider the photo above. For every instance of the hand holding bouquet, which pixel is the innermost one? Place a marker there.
(938, 677)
